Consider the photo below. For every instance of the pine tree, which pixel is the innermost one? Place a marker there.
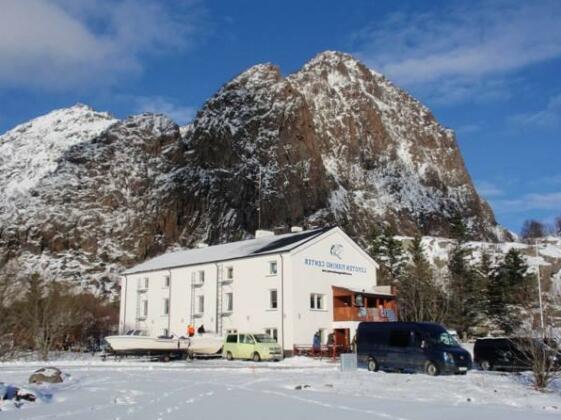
(458, 228)
(419, 297)
(462, 290)
(388, 253)
(483, 274)
(508, 290)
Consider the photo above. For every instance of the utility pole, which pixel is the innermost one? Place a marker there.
(259, 200)
(539, 289)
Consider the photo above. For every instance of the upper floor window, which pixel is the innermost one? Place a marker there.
(201, 276)
(201, 302)
(229, 273)
(166, 281)
(165, 307)
(317, 301)
(229, 302)
(273, 267)
(144, 308)
(273, 299)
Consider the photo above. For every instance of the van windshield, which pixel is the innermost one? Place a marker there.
(443, 338)
(263, 338)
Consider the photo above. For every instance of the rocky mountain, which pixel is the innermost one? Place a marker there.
(83, 195)
(333, 143)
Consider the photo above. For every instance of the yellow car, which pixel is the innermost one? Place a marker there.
(249, 346)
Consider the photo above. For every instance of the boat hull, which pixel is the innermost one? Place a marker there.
(141, 344)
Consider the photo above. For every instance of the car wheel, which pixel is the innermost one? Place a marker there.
(485, 365)
(229, 356)
(373, 365)
(431, 369)
(256, 357)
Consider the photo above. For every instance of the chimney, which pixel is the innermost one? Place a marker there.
(295, 229)
(262, 233)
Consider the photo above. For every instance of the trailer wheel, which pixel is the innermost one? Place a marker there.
(256, 357)
(229, 356)
(431, 369)
(485, 365)
(373, 365)
(165, 358)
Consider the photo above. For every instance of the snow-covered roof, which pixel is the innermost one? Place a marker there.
(273, 244)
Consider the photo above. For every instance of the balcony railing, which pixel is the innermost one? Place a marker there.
(351, 313)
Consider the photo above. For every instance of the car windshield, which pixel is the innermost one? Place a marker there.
(443, 338)
(263, 338)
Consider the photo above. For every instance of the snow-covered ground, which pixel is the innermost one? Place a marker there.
(296, 388)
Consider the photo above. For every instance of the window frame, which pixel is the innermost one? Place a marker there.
(201, 304)
(165, 306)
(230, 272)
(229, 301)
(275, 335)
(317, 302)
(276, 300)
(275, 272)
(167, 281)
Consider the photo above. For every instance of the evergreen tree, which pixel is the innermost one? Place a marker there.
(388, 253)
(419, 297)
(458, 228)
(508, 290)
(483, 274)
(462, 290)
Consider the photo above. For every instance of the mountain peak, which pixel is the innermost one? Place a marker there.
(30, 151)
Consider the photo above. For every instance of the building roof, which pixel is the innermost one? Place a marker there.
(273, 244)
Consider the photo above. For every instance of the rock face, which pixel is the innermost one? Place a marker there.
(83, 195)
(333, 143)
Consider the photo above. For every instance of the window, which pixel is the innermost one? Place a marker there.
(166, 306)
(273, 333)
(145, 308)
(273, 299)
(316, 301)
(201, 276)
(273, 268)
(229, 273)
(144, 283)
(165, 332)
(246, 339)
(399, 338)
(166, 281)
(229, 301)
(232, 338)
(201, 304)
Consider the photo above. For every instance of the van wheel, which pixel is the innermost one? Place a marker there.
(229, 356)
(431, 369)
(485, 365)
(373, 365)
(256, 357)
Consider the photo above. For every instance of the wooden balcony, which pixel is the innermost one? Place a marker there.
(350, 313)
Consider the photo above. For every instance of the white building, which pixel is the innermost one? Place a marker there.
(289, 286)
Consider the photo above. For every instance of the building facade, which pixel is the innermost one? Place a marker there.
(289, 286)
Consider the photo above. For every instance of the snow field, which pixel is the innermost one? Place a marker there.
(214, 389)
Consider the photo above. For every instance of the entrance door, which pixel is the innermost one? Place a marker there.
(341, 337)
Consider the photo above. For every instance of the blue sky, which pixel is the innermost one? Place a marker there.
(489, 70)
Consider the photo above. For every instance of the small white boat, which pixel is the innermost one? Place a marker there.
(136, 342)
(205, 344)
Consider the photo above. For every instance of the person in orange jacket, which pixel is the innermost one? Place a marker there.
(191, 330)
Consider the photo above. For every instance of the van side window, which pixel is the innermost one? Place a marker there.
(232, 338)
(399, 338)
